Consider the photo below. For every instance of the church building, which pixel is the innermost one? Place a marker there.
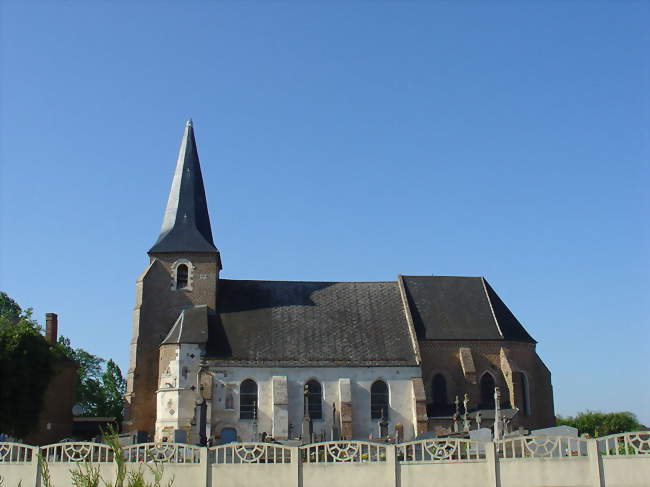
(234, 359)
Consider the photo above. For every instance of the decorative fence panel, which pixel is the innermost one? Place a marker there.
(637, 443)
(621, 460)
(16, 453)
(244, 453)
(343, 452)
(541, 447)
(77, 452)
(162, 452)
(440, 449)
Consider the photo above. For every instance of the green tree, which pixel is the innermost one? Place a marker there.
(100, 388)
(596, 423)
(26, 360)
(114, 386)
(10, 312)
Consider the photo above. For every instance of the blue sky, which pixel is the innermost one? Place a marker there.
(342, 141)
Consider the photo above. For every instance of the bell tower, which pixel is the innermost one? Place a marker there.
(183, 272)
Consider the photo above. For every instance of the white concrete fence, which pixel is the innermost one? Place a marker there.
(533, 461)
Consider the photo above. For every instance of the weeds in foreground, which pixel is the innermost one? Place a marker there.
(88, 476)
(46, 479)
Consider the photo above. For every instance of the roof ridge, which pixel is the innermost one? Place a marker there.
(308, 282)
(487, 296)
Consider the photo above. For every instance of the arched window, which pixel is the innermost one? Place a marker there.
(378, 400)
(487, 391)
(439, 390)
(248, 399)
(315, 399)
(181, 276)
(525, 394)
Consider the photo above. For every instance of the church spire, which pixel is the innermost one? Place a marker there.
(186, 224)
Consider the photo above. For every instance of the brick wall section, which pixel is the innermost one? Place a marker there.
(58, 400)
(504, 360)
(156, 309)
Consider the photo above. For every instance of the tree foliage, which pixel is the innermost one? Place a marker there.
(597, 424)
(26, 360)
(26, 364)
(100, 384)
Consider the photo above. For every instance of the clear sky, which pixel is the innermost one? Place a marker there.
(342, 141)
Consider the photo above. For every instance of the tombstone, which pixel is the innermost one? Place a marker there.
(335, 426)
(180, 436)
(556, 431)
(399, 432)
(383, 425)
(481, 434)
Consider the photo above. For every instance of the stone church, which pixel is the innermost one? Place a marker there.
(234, 359)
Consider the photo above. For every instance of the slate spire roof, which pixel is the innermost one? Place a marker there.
(186, 224)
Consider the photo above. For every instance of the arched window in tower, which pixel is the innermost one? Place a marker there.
(525, 394)
(314, 399)
(182, 274)
(248, 399)
(487, 391)
(439, 391)
(379, 400)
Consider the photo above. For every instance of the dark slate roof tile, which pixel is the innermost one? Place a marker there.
(313, 323)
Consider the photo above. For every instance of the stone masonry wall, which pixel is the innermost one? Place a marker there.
(501, 359)
(157, 307)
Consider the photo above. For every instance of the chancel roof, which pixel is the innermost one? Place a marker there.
(460, 308)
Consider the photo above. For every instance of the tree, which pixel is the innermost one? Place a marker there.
(100, 390)
(10, 312)
(597, 424)
(114, 386)
(26, 360)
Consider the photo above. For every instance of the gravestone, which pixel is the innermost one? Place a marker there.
(556, 431)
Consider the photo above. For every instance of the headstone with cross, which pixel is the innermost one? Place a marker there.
(307, 425)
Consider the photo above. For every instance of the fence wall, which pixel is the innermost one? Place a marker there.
(614, 461)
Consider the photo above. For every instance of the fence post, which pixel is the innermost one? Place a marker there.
(595, 464)
(205, 466)
(492, 477)
(296, 467)
(36, 471)
(392, 465)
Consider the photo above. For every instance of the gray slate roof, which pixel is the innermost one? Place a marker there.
(460, 308)
(186, 224)
(312, 323)
(190, 327)
(280, 323)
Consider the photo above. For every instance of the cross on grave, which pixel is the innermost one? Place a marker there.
(465, 418)
(192, 355)
(307, 425)
(456, 415)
